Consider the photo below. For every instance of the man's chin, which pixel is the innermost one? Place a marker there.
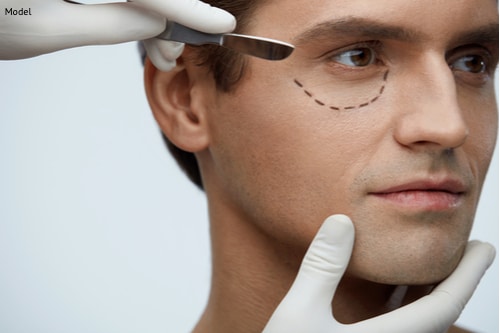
(430, 271)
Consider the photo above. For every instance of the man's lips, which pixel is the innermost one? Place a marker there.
(446, 185)
(424, 194)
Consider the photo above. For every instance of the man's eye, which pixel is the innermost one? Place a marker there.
(360, 57)
(470, 63)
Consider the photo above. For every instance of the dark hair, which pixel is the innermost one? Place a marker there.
(227, 68)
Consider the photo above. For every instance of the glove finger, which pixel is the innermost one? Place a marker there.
(163, 54)
(193, 13)
(436, 312)
(307, 306)
(461, 284)
(98, 24)
(327, 257)
(324, 264)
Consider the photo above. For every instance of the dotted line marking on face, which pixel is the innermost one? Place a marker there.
(351, 107)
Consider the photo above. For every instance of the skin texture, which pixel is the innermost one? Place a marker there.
(275, 163)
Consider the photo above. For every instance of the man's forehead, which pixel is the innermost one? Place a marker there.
(395, 19)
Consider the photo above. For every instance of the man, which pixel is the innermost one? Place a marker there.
(385, 112)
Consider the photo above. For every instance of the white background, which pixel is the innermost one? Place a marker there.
(99, 230)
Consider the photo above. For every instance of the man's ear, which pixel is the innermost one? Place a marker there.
(179, 100)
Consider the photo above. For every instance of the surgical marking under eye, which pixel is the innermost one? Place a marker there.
(348, 107)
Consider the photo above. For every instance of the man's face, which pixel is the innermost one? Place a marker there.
(385, 112)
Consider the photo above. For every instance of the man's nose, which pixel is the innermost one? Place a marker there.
(431, 116)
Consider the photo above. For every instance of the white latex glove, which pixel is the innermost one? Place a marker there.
(307, 306)
(56, 24)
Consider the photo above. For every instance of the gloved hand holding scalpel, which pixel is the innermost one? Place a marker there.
(58, 24)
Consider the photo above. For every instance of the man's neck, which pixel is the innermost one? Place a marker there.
(250, 275)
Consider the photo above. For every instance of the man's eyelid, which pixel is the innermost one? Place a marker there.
(471, 48)
(375, 45)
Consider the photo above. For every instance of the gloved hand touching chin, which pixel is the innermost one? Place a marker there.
(307, 305)
(50, 25)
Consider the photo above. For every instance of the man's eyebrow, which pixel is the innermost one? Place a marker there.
(481, 35)
(362, 27)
